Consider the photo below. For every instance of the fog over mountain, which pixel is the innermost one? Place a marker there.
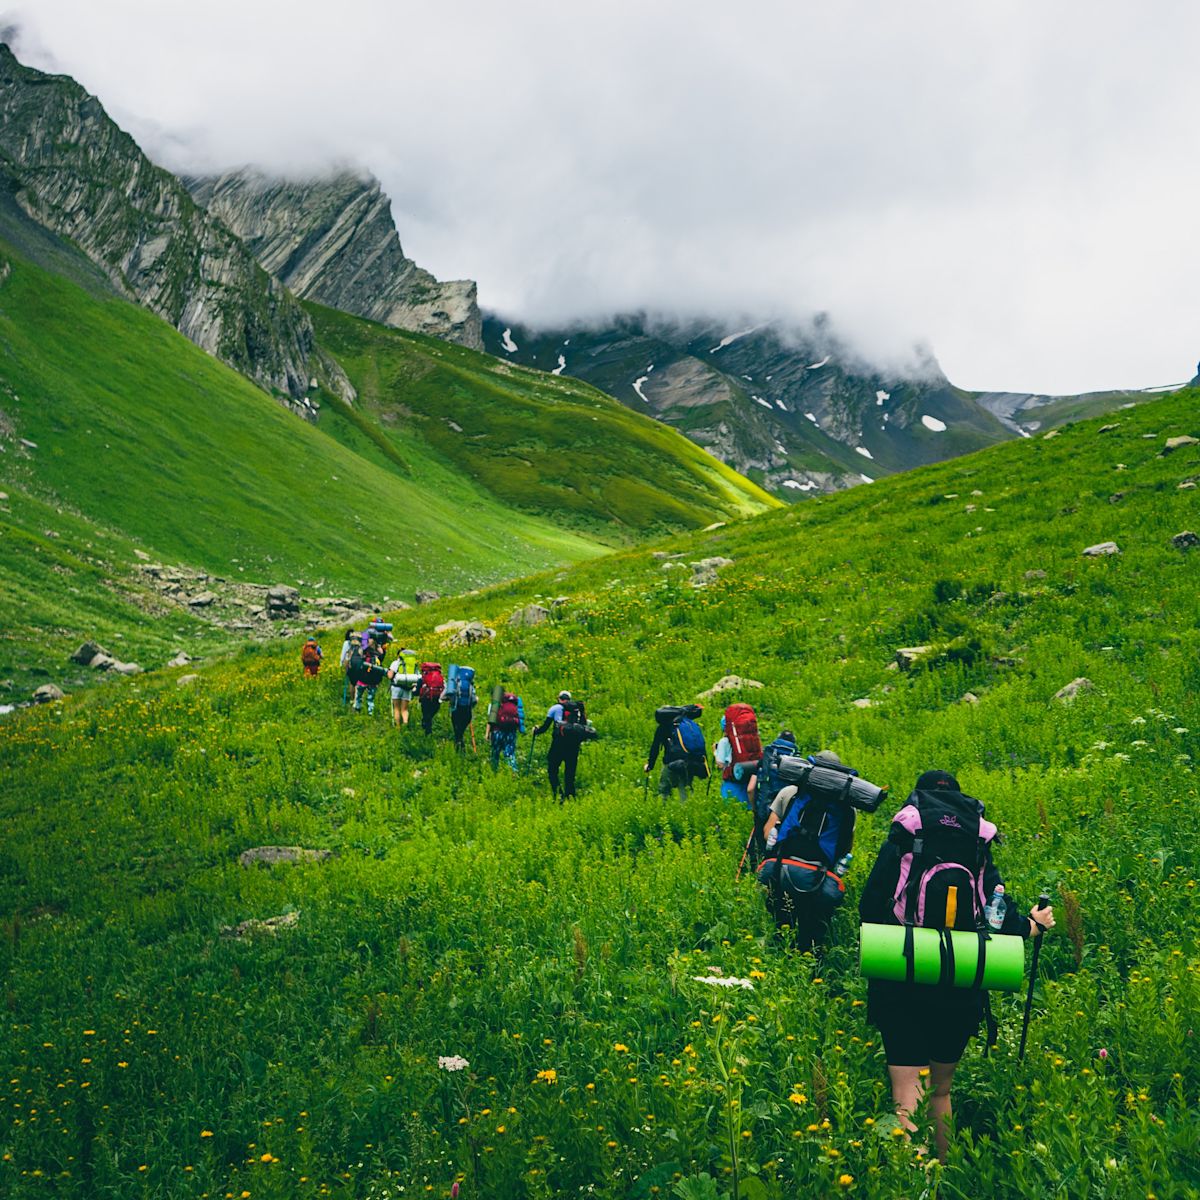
(1009, 186)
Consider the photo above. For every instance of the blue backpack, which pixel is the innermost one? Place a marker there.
(769, 782)
(691, 738)
(460, 685)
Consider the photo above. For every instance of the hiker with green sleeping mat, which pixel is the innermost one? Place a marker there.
(935, 873)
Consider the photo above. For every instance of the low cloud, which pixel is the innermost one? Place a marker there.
(1010, 185)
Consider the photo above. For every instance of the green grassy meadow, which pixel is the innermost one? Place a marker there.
(144, 443)
(555, 948)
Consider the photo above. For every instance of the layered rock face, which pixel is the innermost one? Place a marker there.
(72, 170)
(334, 241)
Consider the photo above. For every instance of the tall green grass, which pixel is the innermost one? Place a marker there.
(555, 947)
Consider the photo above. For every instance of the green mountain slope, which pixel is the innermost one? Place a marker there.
(550, 445)
(137, 433)
(556, 948)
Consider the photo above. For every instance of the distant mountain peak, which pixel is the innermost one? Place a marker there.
(332, 239)
(72, 170)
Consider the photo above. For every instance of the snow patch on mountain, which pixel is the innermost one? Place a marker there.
(881, 396)
(863, 451)
(562, 365)
(637, 387)
(507, 342)
(934, 424)
(806, 486)
(733, 337)
(815, 366)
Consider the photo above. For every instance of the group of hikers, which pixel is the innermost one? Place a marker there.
(364, 659)
(936, 917)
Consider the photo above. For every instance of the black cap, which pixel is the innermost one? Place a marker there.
(937, 781)
(786, 735)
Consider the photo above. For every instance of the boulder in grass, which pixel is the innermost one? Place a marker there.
(1072, 689)
(270, 855)
(968, 698)
(729, 683)
(47, 694)
(180, 660)
(907, 657)
(124, 668)
(1036, 573)
(282, 601)
(864, 702)
(705, 571)
(184, 680)
(269, 926)
(450, 627)
(520, 667)
(531, 614)
(472, 632)
(103, 662)
(1178, 443)
(87, 652)
(203, 600)
(1100, 549)
(1186, 540)
(427, 597)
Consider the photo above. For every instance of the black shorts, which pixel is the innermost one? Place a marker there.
(923, 1024)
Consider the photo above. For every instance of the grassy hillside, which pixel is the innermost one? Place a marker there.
(135, 430)
(546, 444)
(555, 949)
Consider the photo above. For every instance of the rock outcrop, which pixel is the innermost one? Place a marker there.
(74, 171)
(333, 240)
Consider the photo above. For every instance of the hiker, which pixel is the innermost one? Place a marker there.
(683, 749)
(808, 835)
(310, 656)
(933, 870)
(347, 649)
(735, 777)
(404, 680)
(763, 785)
(571, 728)
(429, 692)
(366, 673)
(462, 697)
(738, 752)
(508, 721)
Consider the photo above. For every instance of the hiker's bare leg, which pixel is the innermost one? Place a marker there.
(908, 1089)
(941, 1075)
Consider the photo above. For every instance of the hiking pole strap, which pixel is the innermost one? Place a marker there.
(946, 950)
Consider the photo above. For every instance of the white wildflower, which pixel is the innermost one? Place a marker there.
(726, 982)
(1138, 721)
(452, 1062)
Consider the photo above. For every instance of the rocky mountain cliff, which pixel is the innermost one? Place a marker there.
(334, 241)
(791, 409)
(71, 169)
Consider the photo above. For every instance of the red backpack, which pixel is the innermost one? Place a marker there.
(508, 715)
(741, 728)
(432, 681)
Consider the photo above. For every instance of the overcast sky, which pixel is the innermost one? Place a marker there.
(1012, 182)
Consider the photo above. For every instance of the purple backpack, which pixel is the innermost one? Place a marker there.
(943, 840)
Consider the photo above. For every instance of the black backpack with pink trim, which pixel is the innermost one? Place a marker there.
(943, 840)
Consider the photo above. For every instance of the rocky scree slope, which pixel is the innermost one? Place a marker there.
(334, 241)
(74, 171)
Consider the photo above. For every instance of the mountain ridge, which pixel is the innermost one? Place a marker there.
(72, 169)
(333, 241)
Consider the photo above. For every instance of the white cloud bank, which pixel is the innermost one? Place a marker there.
(1011, 184)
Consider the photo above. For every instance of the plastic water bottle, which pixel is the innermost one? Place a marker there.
(843, 864)
(997, 906)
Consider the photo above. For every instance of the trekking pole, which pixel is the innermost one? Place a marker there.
(532, 742)
(474, 748)
(1043, 900)
(745, 853)
(645, 784)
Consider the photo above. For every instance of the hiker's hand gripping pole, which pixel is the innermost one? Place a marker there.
(1043, 901)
